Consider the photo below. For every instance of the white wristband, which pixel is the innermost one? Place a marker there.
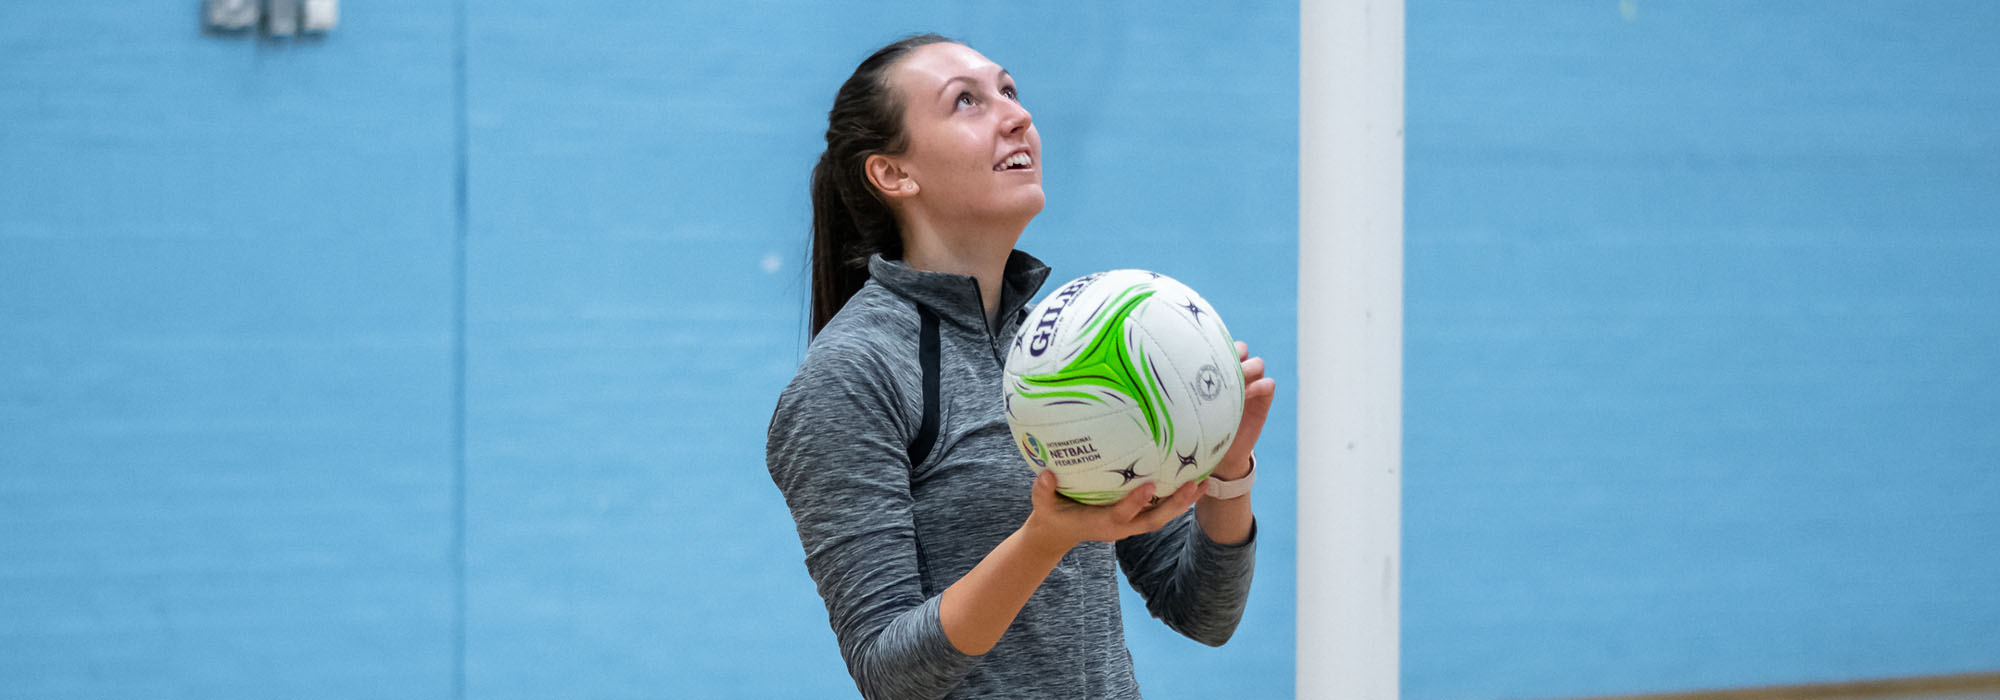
(1221, 489)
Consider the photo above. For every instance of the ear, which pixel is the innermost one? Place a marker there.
(889, 177)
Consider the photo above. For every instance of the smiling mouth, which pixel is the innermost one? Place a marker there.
(1018, 161)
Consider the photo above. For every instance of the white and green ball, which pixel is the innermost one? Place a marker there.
(1121, 380)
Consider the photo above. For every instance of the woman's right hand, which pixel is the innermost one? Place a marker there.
(1060, 523)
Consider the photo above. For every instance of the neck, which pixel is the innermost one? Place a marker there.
(979, 251)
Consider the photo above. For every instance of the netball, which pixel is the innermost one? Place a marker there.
(1121, 380)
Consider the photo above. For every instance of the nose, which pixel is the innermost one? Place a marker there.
(1016, 118)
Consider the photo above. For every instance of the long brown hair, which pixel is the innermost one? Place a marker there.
(850, 220)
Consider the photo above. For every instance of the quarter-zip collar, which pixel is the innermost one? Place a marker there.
(956, 297)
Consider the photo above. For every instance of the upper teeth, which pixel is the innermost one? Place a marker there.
(1020, 159)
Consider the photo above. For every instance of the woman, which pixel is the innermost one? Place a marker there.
(947, 568)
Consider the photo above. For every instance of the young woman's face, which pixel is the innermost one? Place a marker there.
(973, 150)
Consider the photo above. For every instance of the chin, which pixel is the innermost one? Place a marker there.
(1030, 204)
(1019, 206)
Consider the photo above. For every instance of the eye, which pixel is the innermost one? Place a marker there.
(965, 99)
(1010, 93)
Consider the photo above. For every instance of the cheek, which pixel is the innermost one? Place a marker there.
(971, 152)
(948, 154)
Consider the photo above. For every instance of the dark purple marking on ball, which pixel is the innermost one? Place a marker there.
(1193, 309)
(1158, 380)
(1128, 472)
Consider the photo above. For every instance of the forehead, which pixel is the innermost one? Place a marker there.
(929, 67)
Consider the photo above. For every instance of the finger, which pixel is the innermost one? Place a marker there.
(1242, 350)
(1253, 369)
(1257, 400)
(1045, 489)
(1177, 501)
(1182, 499)
(1197, 491)
(1134, 501)
(1261, 388)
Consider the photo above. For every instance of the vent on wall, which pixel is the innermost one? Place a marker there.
(276, 17)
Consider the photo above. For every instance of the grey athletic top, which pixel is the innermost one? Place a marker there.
(884, 537)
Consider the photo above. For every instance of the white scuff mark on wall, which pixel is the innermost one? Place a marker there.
(319, 15)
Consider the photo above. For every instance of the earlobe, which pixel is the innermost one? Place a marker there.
(889, 177)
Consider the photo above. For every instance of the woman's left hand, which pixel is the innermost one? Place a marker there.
(1258, 390)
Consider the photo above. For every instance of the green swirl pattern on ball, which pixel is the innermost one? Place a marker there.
(1109, 363)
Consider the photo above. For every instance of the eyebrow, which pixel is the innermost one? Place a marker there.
(946, 90)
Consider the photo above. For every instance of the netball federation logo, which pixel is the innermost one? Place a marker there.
(1035, 452)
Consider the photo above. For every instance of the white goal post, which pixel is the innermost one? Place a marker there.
(1350, 348)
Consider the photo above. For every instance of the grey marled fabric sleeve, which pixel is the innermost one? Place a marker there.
(1195, 585)
(837, 450)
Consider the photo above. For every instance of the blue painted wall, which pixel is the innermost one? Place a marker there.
(1703, 306)
(225, 357)
(1700, 378)
(232, 420)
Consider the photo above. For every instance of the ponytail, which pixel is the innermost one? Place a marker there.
(850, 220)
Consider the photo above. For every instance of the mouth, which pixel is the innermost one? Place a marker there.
(1018, 160)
